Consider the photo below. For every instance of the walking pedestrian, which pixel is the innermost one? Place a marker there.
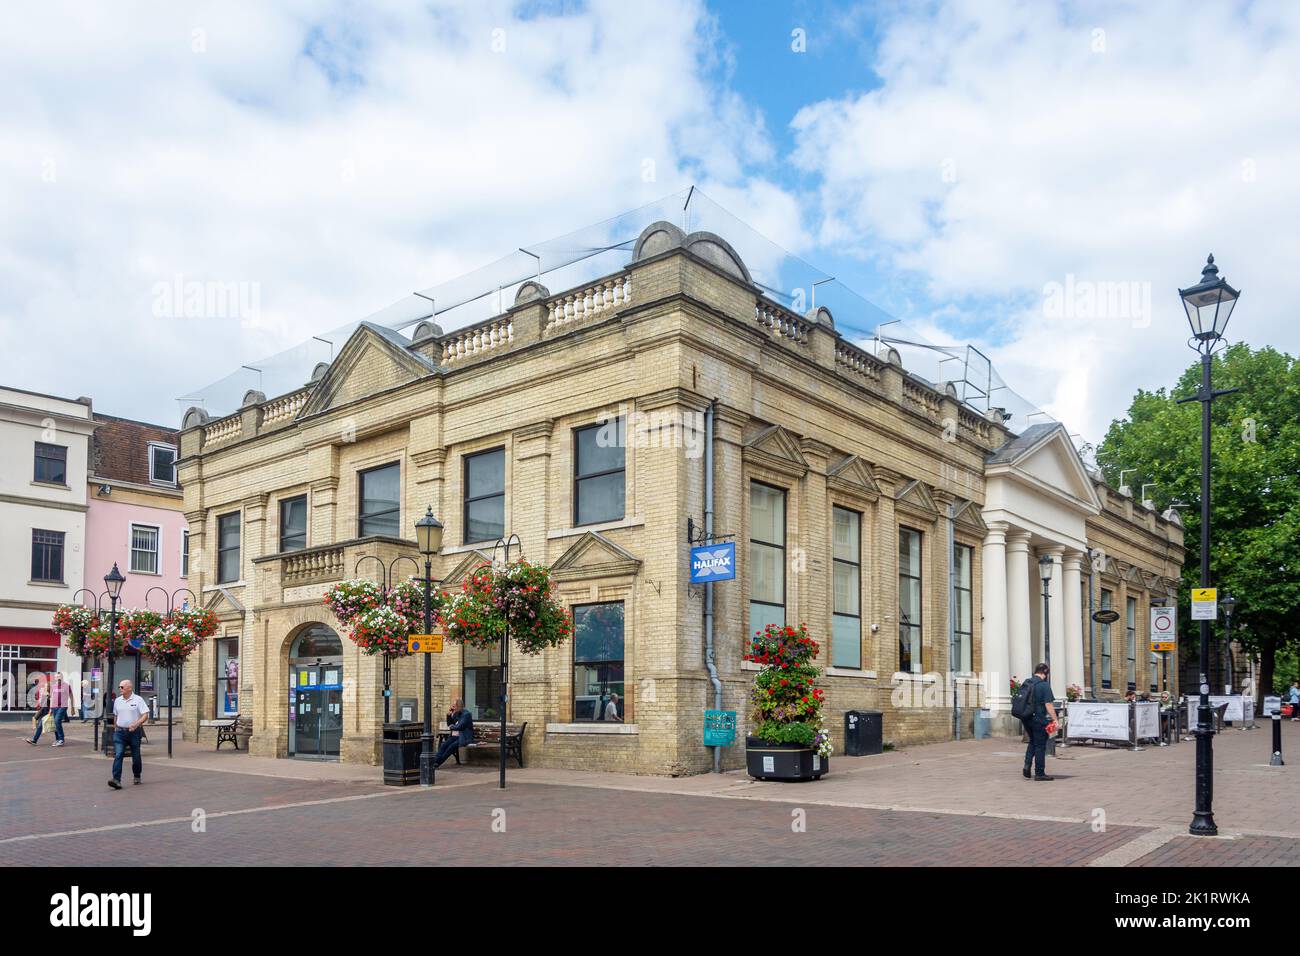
(42, 703)
(611, 708)
(129, 714)
(1042, 712)
(58, 698)
(1295, 700)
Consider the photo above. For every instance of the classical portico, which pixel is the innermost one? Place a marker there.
(1038, 497)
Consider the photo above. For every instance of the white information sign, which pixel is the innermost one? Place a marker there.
(1147, 720)
(1097, 721)
(1164, 622)
(1272, 705)
(1205, 604)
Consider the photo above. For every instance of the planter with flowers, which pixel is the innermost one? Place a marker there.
(788, 739)
(380, 621)
(169, 644)
(98, 640)
(1073, 692)
(73, 622)
(135, 625)
(521, 597)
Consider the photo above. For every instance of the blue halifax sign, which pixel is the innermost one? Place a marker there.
(713, 562)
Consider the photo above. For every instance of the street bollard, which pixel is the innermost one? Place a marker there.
(1276, 759)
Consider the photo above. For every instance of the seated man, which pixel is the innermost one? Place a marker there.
(461, 724)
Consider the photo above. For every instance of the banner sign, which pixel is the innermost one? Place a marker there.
(719, 728)
(1098, 721)
(1205, 604)
(1146, 720)
(713, 562)
(1164, 622)
(1236, 707)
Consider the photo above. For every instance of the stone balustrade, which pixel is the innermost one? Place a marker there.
(222, 430)
(313, 566)
(604, 296)
(780, 322)
(493, 335)
(285, 408)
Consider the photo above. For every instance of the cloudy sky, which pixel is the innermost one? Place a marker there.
(1037, 179)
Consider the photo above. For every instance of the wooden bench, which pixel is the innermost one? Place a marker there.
(229, 729)
(488, 734)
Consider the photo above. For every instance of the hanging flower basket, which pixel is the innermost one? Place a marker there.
(520, 597)
(135, 625)
(407, 599)
(202, 622)
(73, 622)
(170, 644)
(789, 740)
(380, 630)
(349, 599)
(98, 640)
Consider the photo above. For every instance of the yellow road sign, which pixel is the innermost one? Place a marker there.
(1205, 594)
(1205, 604)
(424, 643)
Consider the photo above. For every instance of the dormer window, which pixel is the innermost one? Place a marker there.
(162, 464)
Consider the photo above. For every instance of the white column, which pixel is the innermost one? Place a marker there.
(1071, 604)
(1022, 664)
(995, 650)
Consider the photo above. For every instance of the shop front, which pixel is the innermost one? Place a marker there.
(316, 694)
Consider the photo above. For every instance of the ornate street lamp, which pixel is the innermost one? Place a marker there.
(1229, 604)
(1045, 570)
(113, 581)
(1208, 304)
(428, 534)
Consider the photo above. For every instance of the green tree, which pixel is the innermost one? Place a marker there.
(1254, 493)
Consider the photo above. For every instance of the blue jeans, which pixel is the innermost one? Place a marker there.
(40, 717)
(1036, 752)
(60, 715)
(123, 738)
(449, 747)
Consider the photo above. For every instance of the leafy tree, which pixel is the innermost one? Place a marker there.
(1254, 493)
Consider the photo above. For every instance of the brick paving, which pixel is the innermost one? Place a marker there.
(959, 803)
(1242, 851)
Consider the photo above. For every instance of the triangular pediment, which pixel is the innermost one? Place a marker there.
(915, 495)
(594, 556)
(853, 475)
(470, 563)
(1044, 456)
(372, 360)
(968, 516)
(777, 448)
(224, 604)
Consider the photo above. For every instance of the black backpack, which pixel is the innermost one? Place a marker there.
(1022, 705)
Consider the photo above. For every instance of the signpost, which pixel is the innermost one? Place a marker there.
(424, 643)
(1205, 604)
(1164, 623)
(719, 728)
(713, 562)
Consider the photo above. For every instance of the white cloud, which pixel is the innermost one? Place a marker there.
(332, 157)
(1113, 156)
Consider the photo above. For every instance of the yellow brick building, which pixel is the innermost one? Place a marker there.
(858, 496)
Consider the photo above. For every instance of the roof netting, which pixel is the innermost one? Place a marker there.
(604, 248)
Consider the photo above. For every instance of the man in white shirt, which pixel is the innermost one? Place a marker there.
(129, 714)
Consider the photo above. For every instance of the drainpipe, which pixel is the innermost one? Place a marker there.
(709, 660)
(952, 620)
(1092, 643)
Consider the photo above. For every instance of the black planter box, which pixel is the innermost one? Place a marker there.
(766, 761)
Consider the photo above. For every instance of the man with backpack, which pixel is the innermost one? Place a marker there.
(1034, 705)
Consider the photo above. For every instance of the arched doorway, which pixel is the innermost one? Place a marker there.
(316, 693)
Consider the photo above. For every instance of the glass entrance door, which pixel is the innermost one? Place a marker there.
(316, 709)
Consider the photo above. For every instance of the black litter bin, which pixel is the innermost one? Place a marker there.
(402, 753)
(863, 733)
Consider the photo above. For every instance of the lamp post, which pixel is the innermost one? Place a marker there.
(1045, 570)
(1208, 305)
(113, 581)
(504, 544)
(428, 533)
(1229, 604)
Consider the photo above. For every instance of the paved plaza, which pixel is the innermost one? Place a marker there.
(956, 803)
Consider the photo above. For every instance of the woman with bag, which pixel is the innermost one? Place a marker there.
(42, 708)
